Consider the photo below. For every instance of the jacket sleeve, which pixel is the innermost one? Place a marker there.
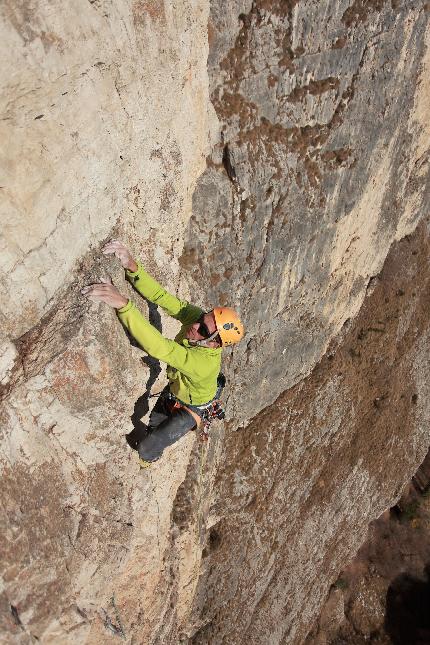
(150, 289)
(154, 343)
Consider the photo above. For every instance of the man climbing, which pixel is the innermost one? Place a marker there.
(193, 358)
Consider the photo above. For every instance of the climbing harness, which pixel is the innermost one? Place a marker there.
(175, 409)
(205, 414)
(202, 415)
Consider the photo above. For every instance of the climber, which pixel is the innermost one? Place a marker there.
(193, 358)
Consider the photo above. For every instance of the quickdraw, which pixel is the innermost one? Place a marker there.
(213, 411)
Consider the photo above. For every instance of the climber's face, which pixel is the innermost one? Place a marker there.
(203, 327)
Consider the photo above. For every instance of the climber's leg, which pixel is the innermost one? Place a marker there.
(178, 423)
(161, 410)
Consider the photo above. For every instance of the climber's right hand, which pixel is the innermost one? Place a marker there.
(122, 253)
(105, 291)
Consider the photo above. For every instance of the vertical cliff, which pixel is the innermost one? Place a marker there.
(106, 125)
(272, 155)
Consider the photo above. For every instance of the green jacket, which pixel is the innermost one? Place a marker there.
(192, 370)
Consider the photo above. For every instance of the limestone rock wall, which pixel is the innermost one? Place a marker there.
(321, 165)
(299, 484)
(264, 154)
(105, 121)
(106, 124)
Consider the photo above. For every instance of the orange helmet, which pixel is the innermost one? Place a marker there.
(228, 323)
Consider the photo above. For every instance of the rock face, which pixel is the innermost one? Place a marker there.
(106, 124)
(296, 483)
(94, 140)
(384, 592)
(272, 155)
(325, 144)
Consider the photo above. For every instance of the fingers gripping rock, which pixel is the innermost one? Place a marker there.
(120, 251)
(105, 292)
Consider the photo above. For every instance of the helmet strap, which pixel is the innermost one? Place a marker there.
(204, 342)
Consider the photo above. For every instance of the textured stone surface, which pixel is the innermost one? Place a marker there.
(266, 154)
(384, 591)
(106, 125)
(297, 486)
(325, 138)
(104, 122)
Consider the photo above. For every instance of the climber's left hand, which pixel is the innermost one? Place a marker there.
(105, 291)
